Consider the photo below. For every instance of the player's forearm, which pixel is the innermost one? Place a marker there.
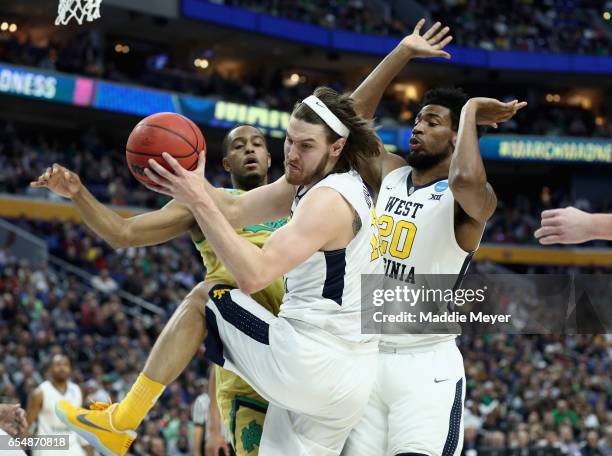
(467, 169)
(214, 418)
(106, 223)
(228, 204)
(369, 93)
(601, 226)
(243, 260)
(198, 432)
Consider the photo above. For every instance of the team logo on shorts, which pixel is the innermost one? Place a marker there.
(218, 294)
(441, 186)
(251, 436)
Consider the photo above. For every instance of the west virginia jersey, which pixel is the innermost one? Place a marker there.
(417, 236)
(242, 409)
(325, 290)
(312, 362)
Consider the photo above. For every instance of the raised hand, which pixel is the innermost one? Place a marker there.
(59, 180)
(490, 111)
(430, 44)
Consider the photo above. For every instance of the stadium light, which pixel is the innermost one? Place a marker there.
(4, 27)
(122, 49)
(607, 16)
(13, 28)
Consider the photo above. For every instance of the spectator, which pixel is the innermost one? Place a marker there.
(104, 282)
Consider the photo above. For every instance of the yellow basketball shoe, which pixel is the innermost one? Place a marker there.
(95, 425)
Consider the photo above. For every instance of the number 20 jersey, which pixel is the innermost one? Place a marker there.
(417, 236)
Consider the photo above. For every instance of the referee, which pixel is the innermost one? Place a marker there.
(199, 413)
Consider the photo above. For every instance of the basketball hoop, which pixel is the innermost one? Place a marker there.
(77, 9)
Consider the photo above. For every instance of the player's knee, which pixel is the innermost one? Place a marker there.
(196, 299)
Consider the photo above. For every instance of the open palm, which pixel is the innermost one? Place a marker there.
(430, 44)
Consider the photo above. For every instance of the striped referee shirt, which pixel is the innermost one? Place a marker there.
(200, 409)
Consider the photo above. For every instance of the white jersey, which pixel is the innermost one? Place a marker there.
(50, 424)
(325, 290)
(201, 406)
(428, 245)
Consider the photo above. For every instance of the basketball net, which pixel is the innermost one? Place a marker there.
(77, 9)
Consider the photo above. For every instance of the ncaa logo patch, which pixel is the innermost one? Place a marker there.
(441, 186)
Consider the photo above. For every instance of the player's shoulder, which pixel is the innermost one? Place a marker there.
(201, 403)
(395, 177)
(73, 386)
(341, 181)
(203, 398)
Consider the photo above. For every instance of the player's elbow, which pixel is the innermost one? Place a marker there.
(251, 285)
(466, 181)
(122, 238)
(248, 287)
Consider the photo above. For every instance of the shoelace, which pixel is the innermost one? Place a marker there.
(99, 406)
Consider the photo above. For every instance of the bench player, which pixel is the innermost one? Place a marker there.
(42, 401)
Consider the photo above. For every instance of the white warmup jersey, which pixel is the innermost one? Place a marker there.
(417, 236)
(325, 290)
(49, 424)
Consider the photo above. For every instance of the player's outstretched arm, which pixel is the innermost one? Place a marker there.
(263, 204)
(467, 177)
(323, 215)
(573, 226)
(431, 44)
(33, 408)
(369, 93)
(150, 228)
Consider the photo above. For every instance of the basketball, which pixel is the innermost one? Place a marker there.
(163, 132)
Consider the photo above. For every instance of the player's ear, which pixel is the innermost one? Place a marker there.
(269, 160)
(226, 165)
(337, 146)
(454, 140)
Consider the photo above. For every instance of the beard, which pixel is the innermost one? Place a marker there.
(423, 161)
(249, 181)
(307, 179)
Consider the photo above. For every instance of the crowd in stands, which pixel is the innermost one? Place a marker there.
(44, 311)
(85, 55)
(523, 392)
(551, 26)
(24, 157)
